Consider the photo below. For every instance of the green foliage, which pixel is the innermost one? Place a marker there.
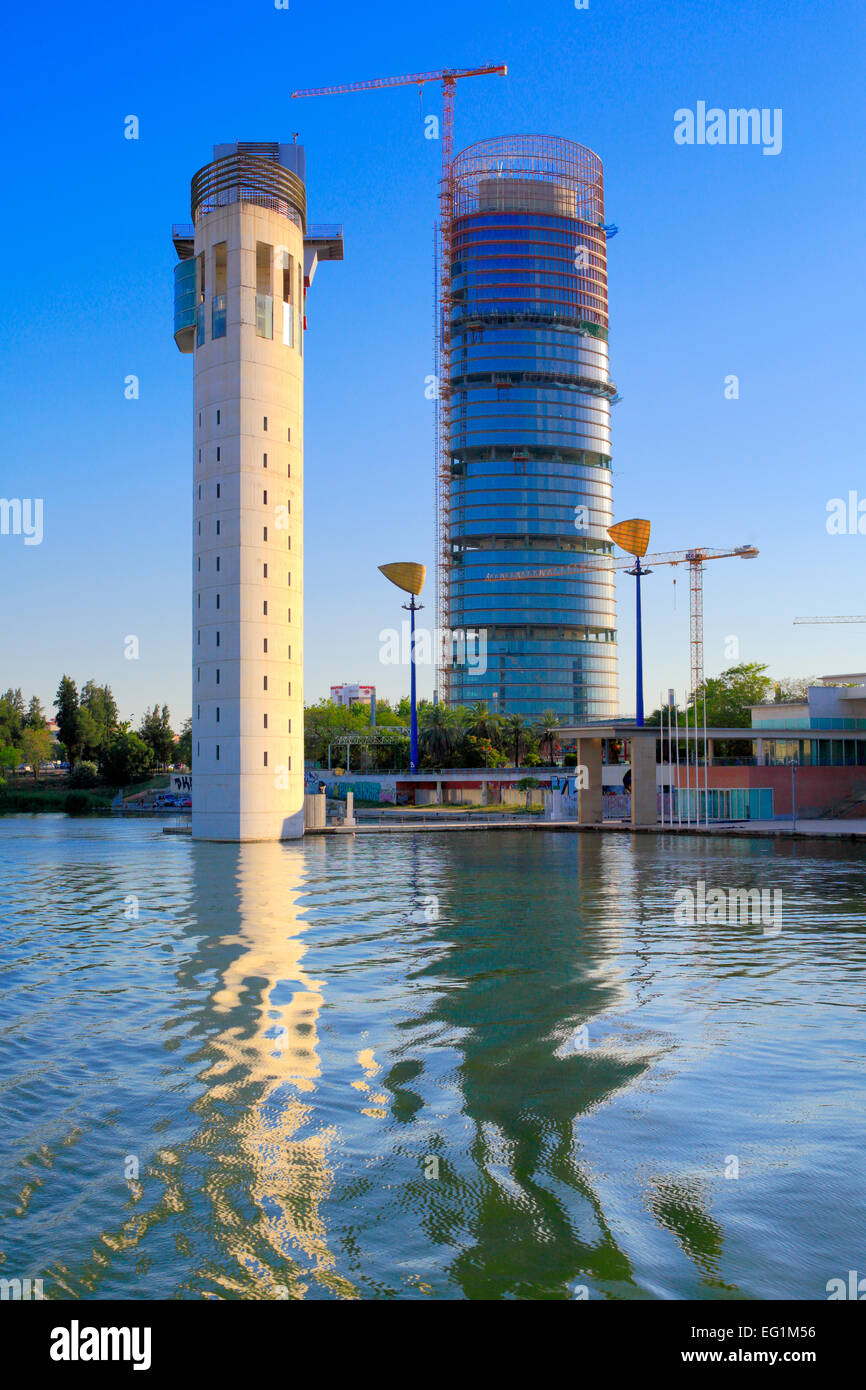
(155, 730)
(99, 717)
(68, 717)
(183, 747)
(127, 759)
(35, 747)
(76, 804)
(84, 774)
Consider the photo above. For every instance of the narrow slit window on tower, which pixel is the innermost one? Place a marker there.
(217, 600)
(265, 531)
(265, 717)
(218, 454)
(290, 688)
(265, 423)
(218, 414)
(217, 675)
(264, 682)
(217, 752)
(290, 726)
(218, 562)
(218, 489)
(266, 760)
(218, 528)
(217, 714)
(264, 460)
(265, 648)
(265, 498)
(199, 492)
(265, 570)
(265, 607)
(217, 639)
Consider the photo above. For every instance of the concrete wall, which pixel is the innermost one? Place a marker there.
(248, 379)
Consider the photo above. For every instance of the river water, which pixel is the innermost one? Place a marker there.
(442, 1065)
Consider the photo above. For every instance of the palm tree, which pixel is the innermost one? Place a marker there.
(483, 723)
(437, 733)
(547, 727)
(515, 727)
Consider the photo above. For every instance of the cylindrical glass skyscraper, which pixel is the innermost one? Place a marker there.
(529, 396)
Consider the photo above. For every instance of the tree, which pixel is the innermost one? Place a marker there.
(483, 724)
(10, 720)
(35, 716)
(515, 733)
(183, 749)
(68, 722)
(157, 733)
(436, 733)
(101, 706)
(547, 727)
(126, 759)
(35, 747)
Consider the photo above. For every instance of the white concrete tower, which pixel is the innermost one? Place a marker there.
(244, 267)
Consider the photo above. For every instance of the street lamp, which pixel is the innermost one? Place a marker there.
(633, 537)
(409, 577)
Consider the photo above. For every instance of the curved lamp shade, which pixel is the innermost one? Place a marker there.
(406, 575)
(631, 536)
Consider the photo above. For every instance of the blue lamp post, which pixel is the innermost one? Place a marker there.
(633, 537)
(409, 577)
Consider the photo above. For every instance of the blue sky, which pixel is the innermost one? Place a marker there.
(727, 262)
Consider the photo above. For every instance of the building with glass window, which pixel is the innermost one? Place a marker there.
(245, 264)
(530, 454)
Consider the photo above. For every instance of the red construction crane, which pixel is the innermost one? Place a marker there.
(449, 78)
(694, 558)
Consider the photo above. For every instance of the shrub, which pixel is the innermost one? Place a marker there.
(76, 804)
(84, 774)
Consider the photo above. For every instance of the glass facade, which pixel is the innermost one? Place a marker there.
(529, 400)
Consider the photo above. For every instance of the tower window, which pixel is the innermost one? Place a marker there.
(264, 498)
(199, 492)
(290, 726)
(288, 615)
(217, 675)
(198, 604)
(217, 752)
(218, 414)
(265, 531)
(264, 460)
(289, 474)
(218, 562)
(265, 422)
(266, 644)
(218, 639)
(217, 714)
(218, 489)
(290, 687)
(264, 683)
(265, 569)
(218, 528)
(289, 434)
(265, 608)
(266, 760)
(218, 454)
(198, 563)
(265, 717)
(217, 600)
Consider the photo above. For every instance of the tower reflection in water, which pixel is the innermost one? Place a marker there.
(270, 1150)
